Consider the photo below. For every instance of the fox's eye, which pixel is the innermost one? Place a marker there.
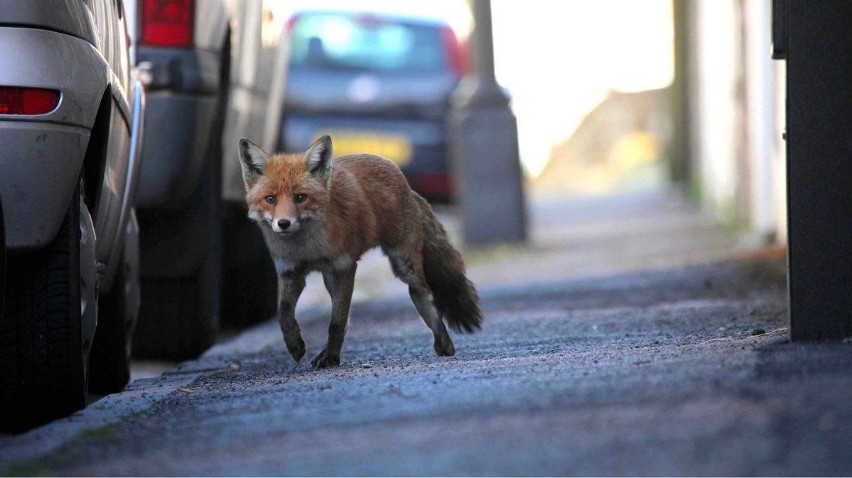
(270, 199)
(301, 197)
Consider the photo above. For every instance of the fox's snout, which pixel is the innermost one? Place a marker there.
(284, 226)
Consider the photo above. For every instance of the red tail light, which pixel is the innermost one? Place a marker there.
(433, 183)
(291, 23)
(456, 55)
(167, 23)
(27, 101)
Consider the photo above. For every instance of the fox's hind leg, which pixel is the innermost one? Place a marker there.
(422, 298)
(409, 269)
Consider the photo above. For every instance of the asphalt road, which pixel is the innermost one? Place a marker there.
(684, 371)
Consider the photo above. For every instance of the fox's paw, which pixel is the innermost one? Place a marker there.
(444, 346)
(296, 346)
(325, 360)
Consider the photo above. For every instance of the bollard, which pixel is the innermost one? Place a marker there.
(484, 149)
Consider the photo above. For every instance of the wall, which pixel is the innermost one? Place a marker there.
(735, 114)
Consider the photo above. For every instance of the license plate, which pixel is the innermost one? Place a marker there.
(393, 147)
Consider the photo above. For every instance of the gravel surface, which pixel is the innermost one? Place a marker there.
(684, 371)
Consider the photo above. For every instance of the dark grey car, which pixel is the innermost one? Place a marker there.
(377, 83)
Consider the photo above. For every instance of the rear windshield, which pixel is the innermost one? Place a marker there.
(363, 43)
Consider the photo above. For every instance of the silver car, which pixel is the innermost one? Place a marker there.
(70, 126)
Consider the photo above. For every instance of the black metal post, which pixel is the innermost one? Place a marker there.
(816, 39)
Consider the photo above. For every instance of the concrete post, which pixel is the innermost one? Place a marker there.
(484, 148)
(680, 154)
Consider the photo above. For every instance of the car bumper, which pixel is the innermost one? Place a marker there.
(427, 167)
(42, 155)
(41, 165)
(177, 133)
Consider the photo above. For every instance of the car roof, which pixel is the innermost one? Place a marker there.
(456, 13)
(397, 17)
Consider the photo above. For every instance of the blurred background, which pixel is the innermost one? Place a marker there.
(648, 131)
(615, 95)
(631, 94)
(553, 139)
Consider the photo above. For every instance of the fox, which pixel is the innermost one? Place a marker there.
(321, 214)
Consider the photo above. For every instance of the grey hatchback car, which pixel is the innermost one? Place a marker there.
(377, 83)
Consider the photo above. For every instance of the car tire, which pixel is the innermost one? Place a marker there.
(110, 359)
(179, 316)
(2, 260)
(250, 293)
(43, 353)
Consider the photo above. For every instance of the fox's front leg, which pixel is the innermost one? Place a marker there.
(339, 284)
(290, 286)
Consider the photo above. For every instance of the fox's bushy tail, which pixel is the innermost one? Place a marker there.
(443, 267)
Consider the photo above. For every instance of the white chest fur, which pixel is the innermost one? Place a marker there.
(307, 249)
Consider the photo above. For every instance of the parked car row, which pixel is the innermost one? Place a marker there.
(97, 171)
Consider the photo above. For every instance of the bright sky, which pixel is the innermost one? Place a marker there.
(558, 58)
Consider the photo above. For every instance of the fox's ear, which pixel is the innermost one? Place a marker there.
(318, 157)
(253, 161)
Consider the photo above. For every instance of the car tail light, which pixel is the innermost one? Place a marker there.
(167, 23)
(291, 23)
(27, 101)
(455, 51)
(433, 183)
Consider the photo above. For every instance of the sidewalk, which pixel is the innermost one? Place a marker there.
(584, 236)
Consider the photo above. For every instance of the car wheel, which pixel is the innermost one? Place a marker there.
(2, 260)
(250, 292)
(109, 363)
(48, 324)
(179, 316)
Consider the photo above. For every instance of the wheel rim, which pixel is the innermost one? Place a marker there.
(88, 279)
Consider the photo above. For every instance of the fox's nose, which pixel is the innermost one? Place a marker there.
(283, 223)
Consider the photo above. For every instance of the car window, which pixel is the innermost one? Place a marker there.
(364, 43)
